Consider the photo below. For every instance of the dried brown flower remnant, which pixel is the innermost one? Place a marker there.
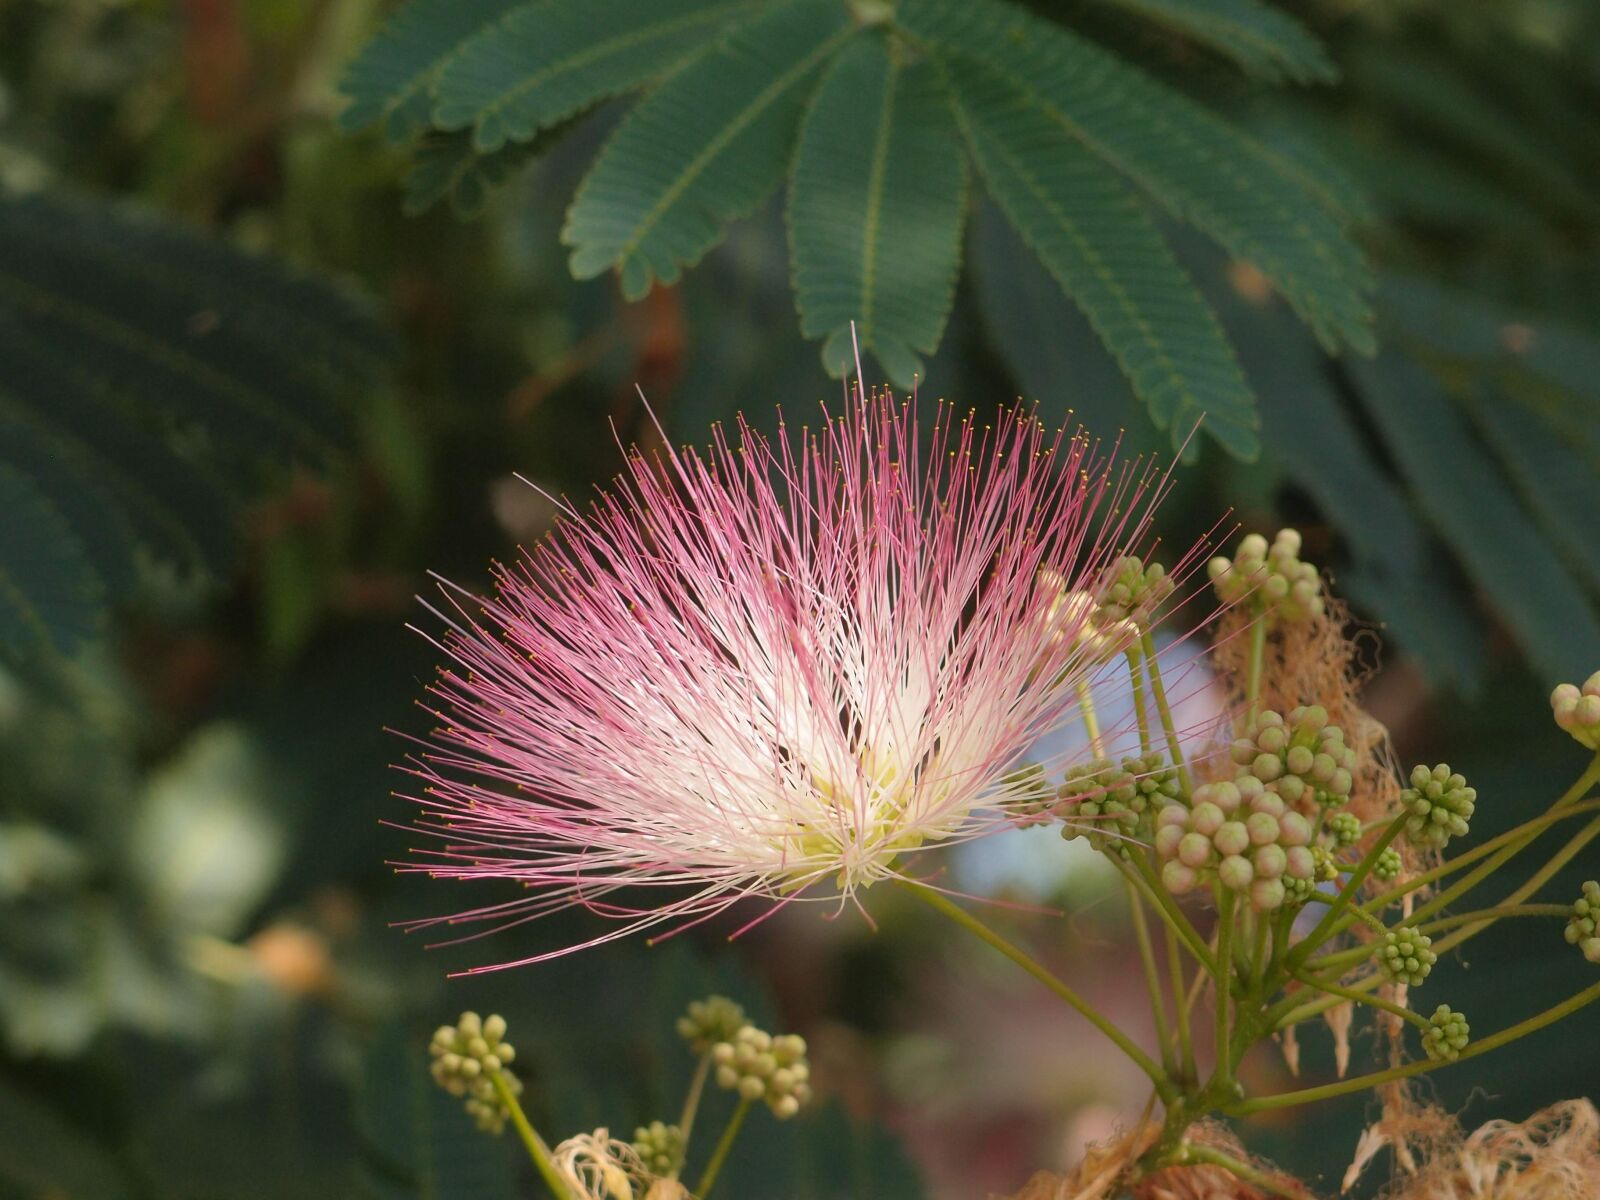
(1553, 1155)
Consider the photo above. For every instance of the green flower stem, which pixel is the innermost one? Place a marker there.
(1224, 986)
(1362, 1083)
(1542, 876)
(720, 1155)
(1185, 1038)
(691, 1105)
(1487, 915)
(537, 1150)
(1388, 1006)
(1241, 1170)
(1168, 726)
(1167, 908)
(1152, 975)
(1258, 951)
(1258, 646)
(1462, 861)
(1571, 796)
(1091, 720)
(1351, 886)
(1016, 954)
(1136, 682)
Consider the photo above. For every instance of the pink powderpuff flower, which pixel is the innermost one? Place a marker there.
(779, 664)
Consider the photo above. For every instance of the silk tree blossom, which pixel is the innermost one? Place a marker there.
(782, 668)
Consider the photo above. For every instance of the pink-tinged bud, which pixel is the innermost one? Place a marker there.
(1263, 828)
(1207, 819)
(1271, 861)
(1178, 879)
(1167, 839)
(1267, 895)
(1232, 838)
(1299, 862)
(1194, 850)
(1294, 829)
(1236, 873)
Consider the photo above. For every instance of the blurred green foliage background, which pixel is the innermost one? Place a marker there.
(249, 397)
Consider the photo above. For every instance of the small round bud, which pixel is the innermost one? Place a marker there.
(1389, 865)
(1405, 955)
(1206, 819)
(1439, 805)
(1447, 1036)
(1178, 878)
(1236, 873)
(1345, 828)
(1194, 850)
(1232, 838)
(1266, 895)
(1577, 710)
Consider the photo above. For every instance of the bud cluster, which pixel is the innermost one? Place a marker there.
(1583, 929)
(761, 1067)
(466, 1058)
(1447, 1035)
(659, 1147)
(1273, 578)
(1135, 590)
(1389, 865)
(709, 1021)
(1440, 805)
(1302, 758)
(1110, 803)
(1577, 710)
(1077, 616)
(1406, 955)
(1243, 835)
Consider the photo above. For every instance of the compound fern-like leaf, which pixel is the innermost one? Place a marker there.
(1202, 169)
(1263, 41)
(708, 145)
(875, 209)
(546, 61)
(392, 81)
(1103, 249)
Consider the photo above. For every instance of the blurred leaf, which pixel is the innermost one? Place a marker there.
(544, 62)
(1266, 43)
(42, 1156)
(706, 146)
(50, 594)
(1105, 252)
(876, 206)
(447, 167)
(1188, 160)
(392, 81)
(143, 381)
(1460, 488)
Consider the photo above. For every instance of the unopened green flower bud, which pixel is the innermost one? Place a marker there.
(1447, 1035)
(1389, 865)
(1583, 928)
(468, 1058)
(1406, 956)
(710, 1021)
(1134, 590)
(1577, 710)
(659, 1147)
(1272, 579)
(1345, 828)
(1440, 806)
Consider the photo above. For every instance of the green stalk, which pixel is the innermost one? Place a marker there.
(1152, 976)
(1362, 1083)
(1167, 908)
(1019, 956)
(691, 1105)
(537, 1150)
(1091, 720)
(720, 1155)
(1487, 915)
(1388, 1006)
(1258, 646)
(1185, 1038)
(1224, 987)
(1136, 680)
(1168, 726)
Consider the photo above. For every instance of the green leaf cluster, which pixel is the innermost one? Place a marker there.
(146, 373)
(876, 117)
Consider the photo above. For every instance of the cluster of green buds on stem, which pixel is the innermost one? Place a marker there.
(467, 1057)
(1271, 578)
(1583, 929)
(759, 1066)
(1276, 834)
